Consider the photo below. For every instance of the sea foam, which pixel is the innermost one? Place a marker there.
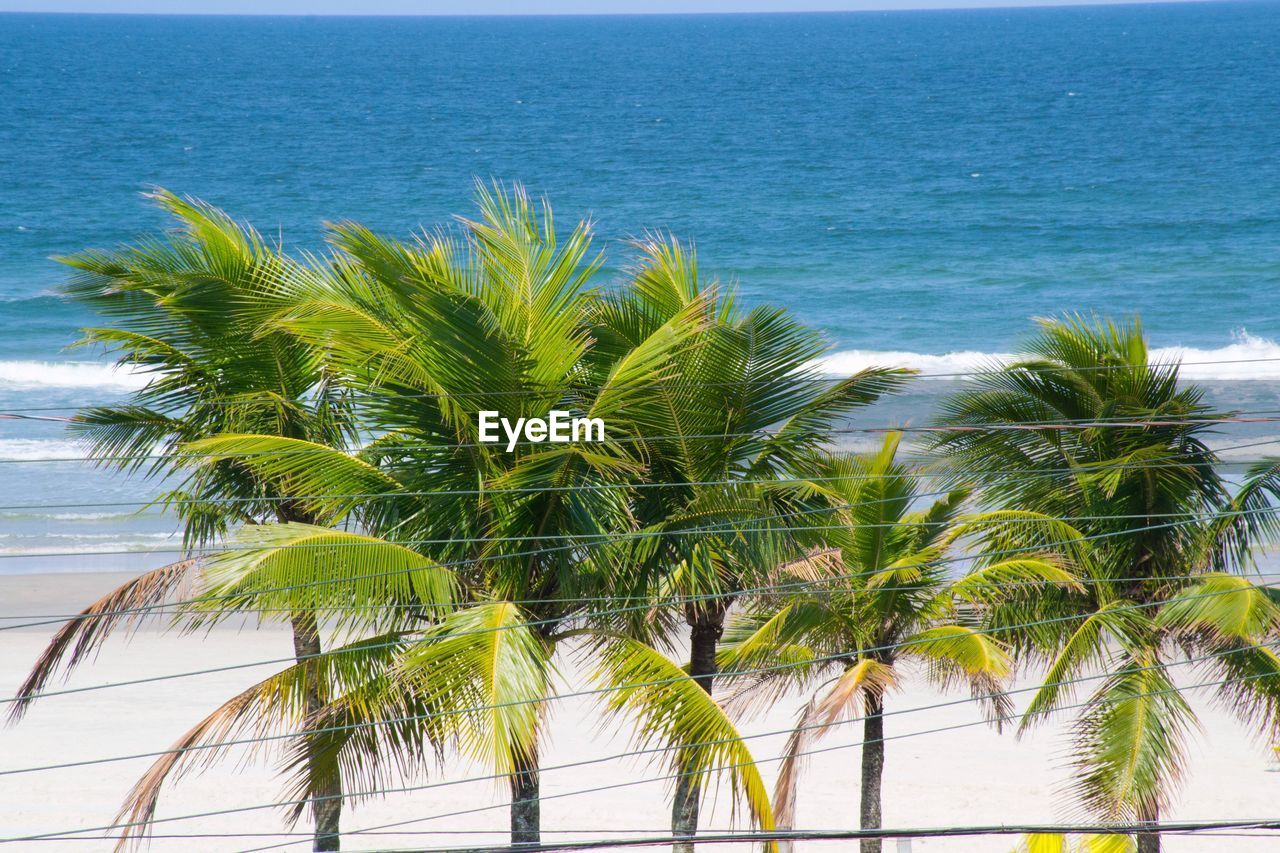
(1246, 357)
(68, 374)
(31, 449)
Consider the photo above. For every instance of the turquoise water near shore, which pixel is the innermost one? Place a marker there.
(917, 184)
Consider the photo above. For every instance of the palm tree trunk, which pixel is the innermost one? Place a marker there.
(327, 807)
(1149, 842)
(526, 804)
(704, 635)
(872, 768)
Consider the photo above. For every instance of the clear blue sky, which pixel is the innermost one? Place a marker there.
(492, 7)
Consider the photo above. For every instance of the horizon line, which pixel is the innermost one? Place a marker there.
(1011, 5)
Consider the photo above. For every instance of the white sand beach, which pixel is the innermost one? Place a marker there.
(967, 776)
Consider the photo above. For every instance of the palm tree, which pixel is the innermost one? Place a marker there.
(887, 595)
(361, 585)
(1162, 544)
(185, 311)
(430, 333)
(744, 409)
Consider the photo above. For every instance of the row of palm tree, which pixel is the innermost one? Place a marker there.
(312, 420)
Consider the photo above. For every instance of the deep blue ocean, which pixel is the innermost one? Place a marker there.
(917, 184)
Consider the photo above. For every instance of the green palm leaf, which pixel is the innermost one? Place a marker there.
(355, 578)
(673, 709)
(1130, 742)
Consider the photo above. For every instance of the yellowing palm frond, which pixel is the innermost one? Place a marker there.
(674, 711)
(1047, 842)
(1130, 742)
(997, 580)
(1044, 842)
(1229, 606)
(1107, 844)
(82, 637)
(301, 567)
(961, 648)
(276, 704)
(489, 672)
(1087, 644)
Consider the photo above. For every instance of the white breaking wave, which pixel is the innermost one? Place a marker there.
(88, 518)
(68, 374)
(121, 545)
(35, 448)
(1246, 357)
(100, 516)
(110, 538)
(848, 362)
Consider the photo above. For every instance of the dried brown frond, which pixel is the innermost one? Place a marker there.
(82, 637)
(817, 565)
(867, 676)
(134, 817)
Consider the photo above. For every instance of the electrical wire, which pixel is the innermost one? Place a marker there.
(669, 777)
(605, 539)
(297, 660)
(1186, 828)
(762, 434)
(745, 383)
(647, 751)
(1134, 424)
(920, 474)
(330, 609)
(647, 605)
(721, 768)
(1008, 627)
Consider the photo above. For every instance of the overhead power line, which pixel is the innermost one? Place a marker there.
(826, 379)
(724, 675)
(779, 589)
(763, 434)
(942, 473)
(604, 539)
(804, 753)
(633, 753)
(653, 750)
(712, 839)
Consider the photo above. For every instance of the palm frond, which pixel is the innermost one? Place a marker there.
(1130, 742)
(490, 672)
(82, 637)
(1086, 645)
(1227, 606)
(322, 481)
(356, 579)
(276, 704)
(672, 710)
(837, 704)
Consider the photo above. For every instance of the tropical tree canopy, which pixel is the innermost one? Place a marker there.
(425, 335)
(850, 618)
(316, 422)
(1161, 551)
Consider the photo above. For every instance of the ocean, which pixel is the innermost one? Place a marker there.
(917, 184)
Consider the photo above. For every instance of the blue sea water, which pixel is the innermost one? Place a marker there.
(917, 184)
